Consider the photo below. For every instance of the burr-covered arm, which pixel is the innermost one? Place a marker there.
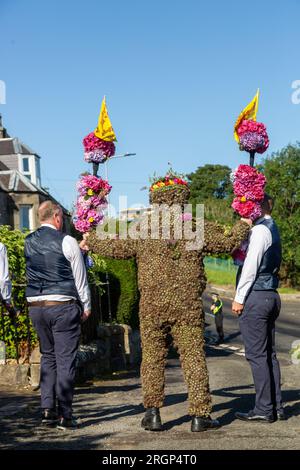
(216, 240)
(112, 248)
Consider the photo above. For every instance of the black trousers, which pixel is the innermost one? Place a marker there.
(58, 329)
(257, 325)
(219, 324)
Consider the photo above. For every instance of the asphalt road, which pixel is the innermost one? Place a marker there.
(111, 408)
(287, 325)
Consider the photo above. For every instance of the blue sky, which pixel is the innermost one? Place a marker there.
(176, 75)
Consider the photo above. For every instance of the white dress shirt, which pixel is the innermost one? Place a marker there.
(73, 254)
(260, 239)
(5, 284)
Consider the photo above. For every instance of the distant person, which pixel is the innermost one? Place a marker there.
(217, 310)
(59, 299)
(5, 283)
(257, 303)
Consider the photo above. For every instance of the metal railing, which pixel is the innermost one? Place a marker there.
(220, 264)
(18, 334)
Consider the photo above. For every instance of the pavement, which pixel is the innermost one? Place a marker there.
(110, 408)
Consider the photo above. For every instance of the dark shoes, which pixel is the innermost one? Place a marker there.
(281, 416)
(151, 420)
(219, 341)
(49, 417)
(67, 423)
(200, 424)
(251, 416)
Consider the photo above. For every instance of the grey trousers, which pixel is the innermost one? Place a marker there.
(58, 329)
(257, 325)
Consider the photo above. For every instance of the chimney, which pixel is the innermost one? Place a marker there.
(3, 132)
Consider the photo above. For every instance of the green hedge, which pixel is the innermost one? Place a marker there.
(124, 294)
(10, 330)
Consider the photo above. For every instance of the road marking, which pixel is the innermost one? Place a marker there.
(239, 351)
(234, 348)
(211, 339)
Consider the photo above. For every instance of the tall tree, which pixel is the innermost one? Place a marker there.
(211, 185)
(282, 171)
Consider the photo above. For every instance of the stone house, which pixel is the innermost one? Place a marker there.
(21, 190)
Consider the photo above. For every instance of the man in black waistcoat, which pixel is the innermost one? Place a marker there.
(59, 299)
(258, 304)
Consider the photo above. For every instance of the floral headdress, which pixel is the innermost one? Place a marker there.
(170, 180)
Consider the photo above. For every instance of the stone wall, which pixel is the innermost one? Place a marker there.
(116, 348)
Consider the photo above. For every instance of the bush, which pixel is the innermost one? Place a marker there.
(124, 294)
(18, 329)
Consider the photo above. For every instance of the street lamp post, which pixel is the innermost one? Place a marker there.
(106, 173)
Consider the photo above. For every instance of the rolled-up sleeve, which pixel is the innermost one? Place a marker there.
(73, 254)
(5, 284)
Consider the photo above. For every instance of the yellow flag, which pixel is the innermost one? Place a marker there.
(105, 130)
(249, 112)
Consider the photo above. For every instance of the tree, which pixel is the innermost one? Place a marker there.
(282, 171)
(211, 185)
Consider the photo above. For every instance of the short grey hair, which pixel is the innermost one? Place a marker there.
(48, 209)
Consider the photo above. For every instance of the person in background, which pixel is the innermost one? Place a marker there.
(59, 299)
(217, 310)
(5, 283)
(257, 303)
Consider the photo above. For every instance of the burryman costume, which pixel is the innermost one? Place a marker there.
(171, 280)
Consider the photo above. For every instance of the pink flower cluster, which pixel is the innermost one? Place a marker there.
(248, 186)
(253, 136)
(97, 150)
(85, 220)
(90, 203)
(90, 185)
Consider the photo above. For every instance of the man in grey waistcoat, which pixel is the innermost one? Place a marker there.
(257, 303)
(59, 299)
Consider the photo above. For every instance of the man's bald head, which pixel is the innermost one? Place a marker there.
(50, 212)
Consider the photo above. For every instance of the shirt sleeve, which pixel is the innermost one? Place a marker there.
(260, 240)
(73, 254)
(5, 284)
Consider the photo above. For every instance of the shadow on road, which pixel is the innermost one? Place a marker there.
(245, 401)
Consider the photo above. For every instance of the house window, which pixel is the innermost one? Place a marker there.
(38, 172)
(25, 217)
(25, 164)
